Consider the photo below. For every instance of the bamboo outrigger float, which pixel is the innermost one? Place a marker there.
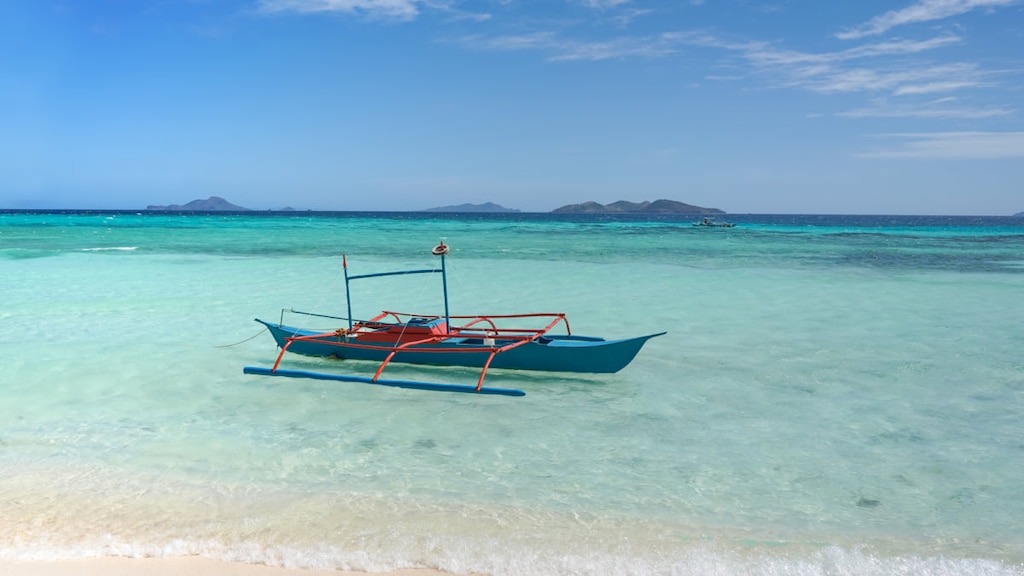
(475, 341)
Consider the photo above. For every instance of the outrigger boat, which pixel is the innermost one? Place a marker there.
(708, 222)
(473, 341)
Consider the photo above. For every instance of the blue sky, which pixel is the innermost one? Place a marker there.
(751, 106)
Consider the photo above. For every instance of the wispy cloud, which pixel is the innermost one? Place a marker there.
(512, 42)
(899, 70)
(603, 4)
(922, 11)
(866, 68)
(397, 9)
(897, 74)
(627, 16)
(895, 79)
(647, 47)
(805, 65)
(402, 10)
(566, 49)
(951, 145)
(873, 67)
(765, 54)
(943, 108)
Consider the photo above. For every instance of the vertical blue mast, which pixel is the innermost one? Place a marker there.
(444, 285)
(348, 296)
(442, 250)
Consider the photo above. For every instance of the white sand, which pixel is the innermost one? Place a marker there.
(176, 566)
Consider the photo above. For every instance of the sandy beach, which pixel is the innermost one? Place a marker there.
(174, 566)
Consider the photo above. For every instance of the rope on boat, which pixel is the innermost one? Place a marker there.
(243, 341)
(294, 311)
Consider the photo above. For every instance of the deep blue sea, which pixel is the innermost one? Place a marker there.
(835, 395)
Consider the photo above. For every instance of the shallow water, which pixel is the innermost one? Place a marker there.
(834, 395)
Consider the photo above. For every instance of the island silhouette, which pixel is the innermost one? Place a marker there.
(663, 206)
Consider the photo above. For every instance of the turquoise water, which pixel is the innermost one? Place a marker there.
(835, 395)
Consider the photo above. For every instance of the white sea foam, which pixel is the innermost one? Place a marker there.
(99, 512)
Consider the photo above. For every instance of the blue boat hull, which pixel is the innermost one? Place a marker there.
(561, 353)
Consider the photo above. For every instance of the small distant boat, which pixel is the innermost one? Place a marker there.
(709, 223)
(473, 341)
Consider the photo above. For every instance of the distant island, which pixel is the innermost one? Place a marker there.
(218, 204)
(485, 207)
(1019, 214)
(211, 204)
(645, 207)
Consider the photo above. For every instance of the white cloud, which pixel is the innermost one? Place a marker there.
(843, 71)
(603, 4)
(404, 10)
(800, 64)
(892, 69)
(563, 49)
(647, 47)
(897, 47)
(943, 108)
(952, 145)
(399, 9)
(937, 86)
(922, 11)
(628, 16)
(896, 80)
(764, 53)
(866, 68)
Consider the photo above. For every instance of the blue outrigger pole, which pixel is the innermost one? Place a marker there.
(439, 250)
